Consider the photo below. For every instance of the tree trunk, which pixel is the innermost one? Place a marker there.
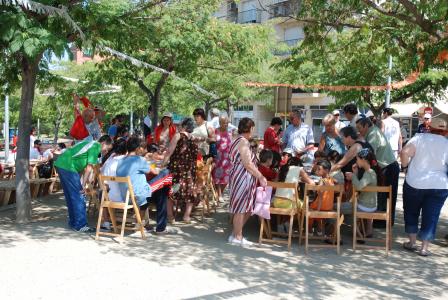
(23, 196)
(57, 125)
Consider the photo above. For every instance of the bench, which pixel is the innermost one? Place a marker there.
(7, 187)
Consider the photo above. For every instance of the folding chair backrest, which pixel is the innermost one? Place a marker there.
(324, 188)
(375, 189)
(104, 180)
(287, 185)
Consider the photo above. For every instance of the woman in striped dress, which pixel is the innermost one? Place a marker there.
(243, 180)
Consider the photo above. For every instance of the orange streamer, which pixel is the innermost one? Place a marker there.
(410, 79)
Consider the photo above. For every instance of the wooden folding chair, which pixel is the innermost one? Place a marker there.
(203, 181)
(210, 190)
(112, 206)
(377, 215)
(318, 214)
(93, 188)
(291, 212)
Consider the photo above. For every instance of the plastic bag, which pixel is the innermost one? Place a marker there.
(263, 202)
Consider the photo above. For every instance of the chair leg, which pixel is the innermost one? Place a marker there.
(123, 224)
(139, 222)
(301, 228)
(338, 235)
(306, 233)
(268, 229)
(113, 219)
(98, 225)
(355, 229)
(387, 236)
(291, 221)
(299, 224)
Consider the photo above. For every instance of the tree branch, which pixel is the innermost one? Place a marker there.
(142, 86)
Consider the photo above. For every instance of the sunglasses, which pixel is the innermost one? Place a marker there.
(336, 115)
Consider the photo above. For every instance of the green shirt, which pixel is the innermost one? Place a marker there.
(76, 158)
(381, 147)
(366, 199)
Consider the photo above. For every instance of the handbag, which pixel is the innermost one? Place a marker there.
(263, 202)
(79, 130)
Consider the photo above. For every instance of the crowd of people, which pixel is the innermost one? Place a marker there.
(358, 153)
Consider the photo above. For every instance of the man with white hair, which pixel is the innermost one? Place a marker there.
(298, 136)
(215, 115)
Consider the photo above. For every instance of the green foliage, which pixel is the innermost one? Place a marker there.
(348, 43)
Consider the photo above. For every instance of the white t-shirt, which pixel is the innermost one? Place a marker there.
(34, 153)
(392, 132)
(110, 169)
(428, 167)
(32, 139)
(292, 176)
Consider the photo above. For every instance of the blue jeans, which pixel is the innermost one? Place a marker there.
(160, 198)
(427, 201)
(75, 199)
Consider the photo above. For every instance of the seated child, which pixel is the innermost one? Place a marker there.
(264, 165)
(324, 200)
(291, 172)
(318, 156)
(334, 156)
(367, 201)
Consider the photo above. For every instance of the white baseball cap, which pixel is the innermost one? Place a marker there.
(427, 116)
(336, 112)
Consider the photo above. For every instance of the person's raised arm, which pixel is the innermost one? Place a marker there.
(171, 147)
(348, 156)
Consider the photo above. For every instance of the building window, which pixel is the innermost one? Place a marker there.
(244, 108)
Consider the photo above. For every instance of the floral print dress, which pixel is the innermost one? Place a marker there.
(182, 166)
(221, 171)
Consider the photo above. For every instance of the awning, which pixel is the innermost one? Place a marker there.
(405, 109)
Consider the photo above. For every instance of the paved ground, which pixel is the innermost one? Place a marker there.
(44, 260)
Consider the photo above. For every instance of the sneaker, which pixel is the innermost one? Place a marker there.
(86, 229)
(230, 238)
(106, 226)
(234, 241)
(166, 231)
(246, 243)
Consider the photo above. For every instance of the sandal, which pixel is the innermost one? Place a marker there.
(408, 246)
(424, 253)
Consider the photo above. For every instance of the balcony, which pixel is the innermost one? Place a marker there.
(249, 16)
(283, 8)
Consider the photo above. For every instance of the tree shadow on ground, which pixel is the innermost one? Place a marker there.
(265, 270)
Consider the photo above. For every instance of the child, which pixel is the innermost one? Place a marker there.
(324, 200)
(367, 201)
(264, 166)
(334, 157)
(291, 172)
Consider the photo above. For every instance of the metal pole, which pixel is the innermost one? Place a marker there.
(6, 133)
(131, 129)
(38, 128)
(389, 80)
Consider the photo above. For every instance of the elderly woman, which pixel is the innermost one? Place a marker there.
(330, 139)
(165, 131)
(425, 190)
(221, 170)
(243, 181)
(182, 155)
(204, 134)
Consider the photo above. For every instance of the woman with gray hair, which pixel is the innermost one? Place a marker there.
(182, 155)
(330, 139)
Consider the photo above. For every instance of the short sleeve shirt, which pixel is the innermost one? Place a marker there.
(381, 147)
(428, 167)
(298, 137)
(76, 158)
(112, 132)
(135, 167)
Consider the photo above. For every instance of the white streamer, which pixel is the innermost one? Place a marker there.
(62, 12)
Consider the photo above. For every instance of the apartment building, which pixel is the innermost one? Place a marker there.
(290, 32)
